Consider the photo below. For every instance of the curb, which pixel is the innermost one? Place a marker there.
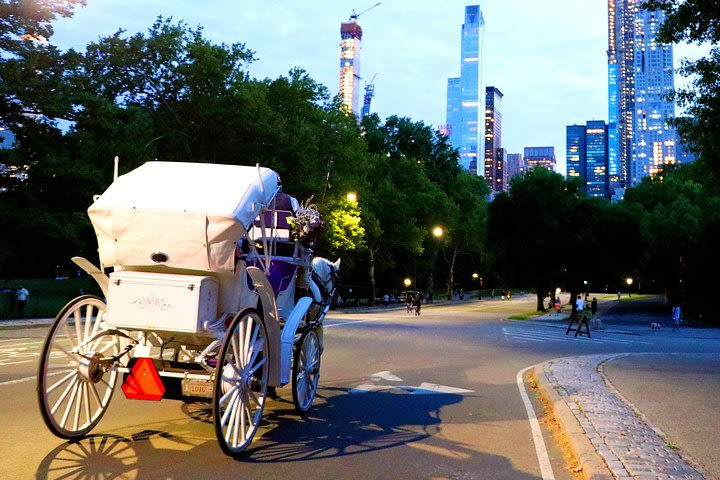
(593, 466)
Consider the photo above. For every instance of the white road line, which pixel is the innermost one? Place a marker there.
(27, 379)
(545, 468)
(342, 324)
(2, 363)
(19, 345)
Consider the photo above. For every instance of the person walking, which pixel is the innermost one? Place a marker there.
(418, 303)
(593, 306)
(21, 298)
(579, 306)
(409, 300)
(676, 317)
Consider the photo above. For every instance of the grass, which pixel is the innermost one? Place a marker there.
(525, 316)
(47, 295)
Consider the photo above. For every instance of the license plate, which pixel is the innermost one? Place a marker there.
(197, 388)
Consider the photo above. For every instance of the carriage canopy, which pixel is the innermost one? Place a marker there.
(192, 213)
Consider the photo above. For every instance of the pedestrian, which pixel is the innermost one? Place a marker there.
(579, 306)
(676, 317)
(385, 300)
(461, 294)
(418, 303)
(619, 294)
(409, 301)
(21, 298)
(557, 305)
(593, 306)
(509, 293)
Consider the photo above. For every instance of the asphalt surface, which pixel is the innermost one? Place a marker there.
(400, 397)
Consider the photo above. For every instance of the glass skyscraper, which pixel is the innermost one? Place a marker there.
(587, 156)
(464, 93)
(640, 75)
(540, 157)
(494, 154)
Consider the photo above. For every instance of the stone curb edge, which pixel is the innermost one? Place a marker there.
(593, 466)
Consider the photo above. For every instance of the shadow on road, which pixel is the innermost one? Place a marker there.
(341, 424)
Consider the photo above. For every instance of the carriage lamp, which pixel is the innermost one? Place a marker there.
(407, 282)
(438, 232)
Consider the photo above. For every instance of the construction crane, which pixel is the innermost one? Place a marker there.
(354, 16)
(369, 95)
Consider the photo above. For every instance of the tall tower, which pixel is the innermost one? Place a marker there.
(640, 75)
(494, 154)
(350, 45)
(464, 101)
(587, 157)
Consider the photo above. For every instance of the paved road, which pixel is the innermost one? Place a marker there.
(400, 397)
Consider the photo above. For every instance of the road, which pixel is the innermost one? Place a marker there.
(400, 396)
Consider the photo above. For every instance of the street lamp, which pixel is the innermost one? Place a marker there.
(351, 197)
(407, 282)
(438, 232)
(629, 282)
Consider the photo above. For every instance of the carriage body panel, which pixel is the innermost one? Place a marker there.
(160, 301)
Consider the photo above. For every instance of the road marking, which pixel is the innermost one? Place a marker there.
(342, 324)
(424, 388)
(385, 375)
(27, 379)
(545, 468)
(533, 335)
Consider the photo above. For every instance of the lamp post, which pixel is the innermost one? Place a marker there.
(438, 233)
(352, 197)
(476, 276)
(629, 282)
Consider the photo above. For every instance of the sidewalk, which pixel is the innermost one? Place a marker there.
(611, 438)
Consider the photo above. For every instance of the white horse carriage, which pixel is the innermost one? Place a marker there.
(211, 296)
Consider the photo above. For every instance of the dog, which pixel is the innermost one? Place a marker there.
(655, 326)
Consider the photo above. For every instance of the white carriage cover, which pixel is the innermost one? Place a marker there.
(192, 212)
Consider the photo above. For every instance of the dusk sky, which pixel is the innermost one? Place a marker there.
(548, 58)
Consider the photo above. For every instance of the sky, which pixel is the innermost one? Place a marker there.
(547, 57)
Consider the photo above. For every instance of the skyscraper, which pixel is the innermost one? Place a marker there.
(494, 154)
(575, 151)
(596, 159)
(587, 157)
(640, 76)
(514, 165)
(540, 157)
(464, 93)
(351, 36)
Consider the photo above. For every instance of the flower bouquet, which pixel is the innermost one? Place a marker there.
(306, 225)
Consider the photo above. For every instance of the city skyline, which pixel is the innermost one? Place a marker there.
(554, 70)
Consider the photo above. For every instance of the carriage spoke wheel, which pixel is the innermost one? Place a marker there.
(306, 370)
(73, 387)
(241, 383)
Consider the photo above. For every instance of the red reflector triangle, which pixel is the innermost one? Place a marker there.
(144, 382)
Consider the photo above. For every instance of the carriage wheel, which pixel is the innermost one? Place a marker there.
(306, 370)
(73, 388)
(241, 383)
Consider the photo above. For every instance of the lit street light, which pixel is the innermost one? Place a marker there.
(352, 197)
(438, 232)
(407, 282)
